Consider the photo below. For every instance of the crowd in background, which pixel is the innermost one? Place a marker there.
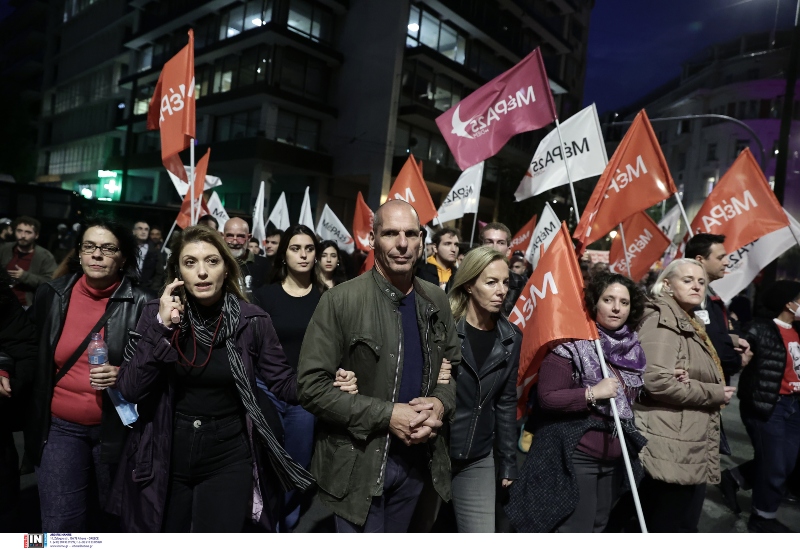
(262, 369)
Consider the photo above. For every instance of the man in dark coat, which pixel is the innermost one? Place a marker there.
(498, 236)
(149, 260)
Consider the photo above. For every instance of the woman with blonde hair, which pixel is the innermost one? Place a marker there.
(486, 389)
(679, 413)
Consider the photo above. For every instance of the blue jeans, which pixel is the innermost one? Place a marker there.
(70, 466)
(776, 443)
(392, 511)
(298, 427)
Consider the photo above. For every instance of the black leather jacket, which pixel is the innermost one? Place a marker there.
(486, 401)
(48, 312)
(760, 381)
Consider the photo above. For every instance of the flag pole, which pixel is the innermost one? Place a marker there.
(625, 456)
(169, 234)
(472, 235)
(191, 182)
(683, 214)
(569, 178)
(625, 251)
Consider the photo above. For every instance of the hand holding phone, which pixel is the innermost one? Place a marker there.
(171, 307)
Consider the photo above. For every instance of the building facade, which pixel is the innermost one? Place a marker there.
(329, 94)
(743, 79)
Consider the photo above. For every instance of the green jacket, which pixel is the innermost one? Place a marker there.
(357, 326)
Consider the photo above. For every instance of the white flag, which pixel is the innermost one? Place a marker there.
(671, 225)
(330, 228)
(280, 214)
(216, 209)
(305, 212)
(258, 229)
(583, 148)
(465, 195)
(183, 187)
(747, 262)
(543, 234)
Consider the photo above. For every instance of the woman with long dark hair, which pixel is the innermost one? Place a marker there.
(574, 470)
(290, 301)
(331, 264)
(73, 431)
(202, 456)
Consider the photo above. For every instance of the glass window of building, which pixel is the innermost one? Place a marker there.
(145, 58)
(286, 128)
(401, 135)
(307, 133)
(419, 143)
(426, 29)
(310, 20)
(257, 13)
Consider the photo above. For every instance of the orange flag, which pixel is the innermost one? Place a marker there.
(369, 262)
(550, 308)
(522, 238)
(362, 223)
(411, 187)
(646, 245)
(741, 206)
(184, 218)
(172, 108)
(636, 178)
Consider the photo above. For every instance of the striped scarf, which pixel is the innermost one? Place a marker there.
(289, 472)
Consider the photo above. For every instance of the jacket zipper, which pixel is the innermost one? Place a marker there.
(474, 425)
(394, 393)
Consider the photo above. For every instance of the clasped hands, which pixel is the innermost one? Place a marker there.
(418, 421)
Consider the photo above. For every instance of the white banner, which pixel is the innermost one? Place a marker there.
(465, 195)
(583, 147)
(305, 212)
(543, 234)
(216, 209)
(280, 214)
(331, 228)
(183, 187)
(259, 229)
(671, 225)
(747, 262)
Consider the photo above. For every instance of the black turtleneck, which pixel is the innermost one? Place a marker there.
(209, 391)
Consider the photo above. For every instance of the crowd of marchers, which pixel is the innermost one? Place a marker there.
(263, 374)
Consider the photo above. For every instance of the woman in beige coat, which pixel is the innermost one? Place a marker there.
(680, 411)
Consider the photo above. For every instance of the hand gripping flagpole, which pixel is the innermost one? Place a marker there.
(569, 178)
(624, 446)
(625, 251)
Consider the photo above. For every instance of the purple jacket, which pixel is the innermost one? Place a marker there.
(139, 494)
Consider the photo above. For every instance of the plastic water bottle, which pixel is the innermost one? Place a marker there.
(98, 355)
(97, 350)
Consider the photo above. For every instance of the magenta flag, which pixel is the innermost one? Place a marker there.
(519, 100)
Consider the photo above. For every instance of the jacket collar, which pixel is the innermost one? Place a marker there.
(505, 330)
(63, 286)
(388, 290)
(670, 314)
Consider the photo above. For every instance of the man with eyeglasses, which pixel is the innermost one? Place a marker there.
(148, 258)
(27, 263)
(255, 269)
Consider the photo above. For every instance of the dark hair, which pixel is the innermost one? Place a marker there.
(203, 233)
(127, 242)
(204, 219)
(496, 226)
(601, 280)
(279, 269)
(515, 259)
(339, 273)
(781, 292)
(700, 244)
(254, 239)
(155, 228)
(143, 221)
(272, 231)
(445, 231)
(26, 220)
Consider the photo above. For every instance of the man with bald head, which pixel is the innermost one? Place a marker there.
(376, 449)
(255, 269)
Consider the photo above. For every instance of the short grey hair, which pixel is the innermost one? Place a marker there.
(669, 273)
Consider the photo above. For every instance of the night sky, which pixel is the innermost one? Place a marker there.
(635, 46)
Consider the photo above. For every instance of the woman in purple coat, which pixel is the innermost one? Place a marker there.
(202, 456)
